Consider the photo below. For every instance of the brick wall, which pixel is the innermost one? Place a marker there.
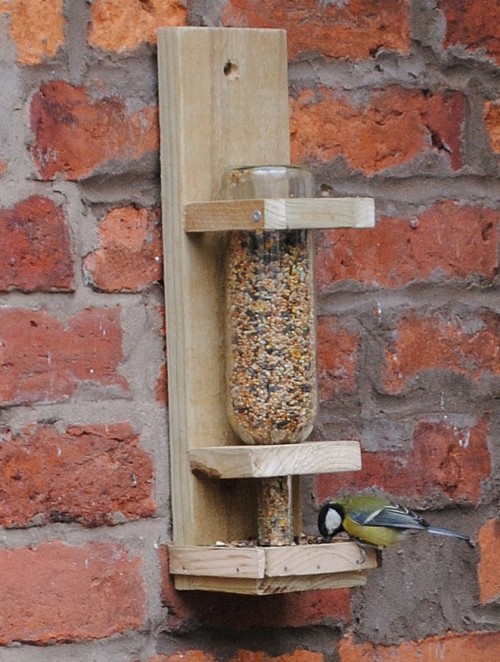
(394, 99)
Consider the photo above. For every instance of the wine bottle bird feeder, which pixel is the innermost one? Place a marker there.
(224, 103)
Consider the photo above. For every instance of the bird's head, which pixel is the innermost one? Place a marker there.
(330, 519)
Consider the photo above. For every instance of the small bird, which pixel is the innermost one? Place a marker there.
(374, 521)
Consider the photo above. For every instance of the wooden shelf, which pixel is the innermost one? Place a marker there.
(264, 570)
(315, 457)
(279, 214)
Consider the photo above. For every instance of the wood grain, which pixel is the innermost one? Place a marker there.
(212, 116)
(279, 214)
(264, 570)
(314, 457)
(269, 585)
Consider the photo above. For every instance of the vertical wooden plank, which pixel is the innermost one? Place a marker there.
(223, 102)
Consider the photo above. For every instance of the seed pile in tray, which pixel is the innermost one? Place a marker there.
(271, 339)
(303, 539)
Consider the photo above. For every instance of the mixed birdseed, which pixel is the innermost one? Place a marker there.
(271, 340)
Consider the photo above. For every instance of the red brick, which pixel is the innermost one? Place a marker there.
(473, 352)
(241, 612)
(122, 25)
(75, 134)
(390, 128)
(161, 390)
(129, 258)
(36, 27)
(43, 359)
(353, 30)
(299, 655)
(492, 120)
(474, 25)
(448, 241)
(337, 351)
(489, 568)
(193, 655)
(470, 647)
(190, 655)
(35, 251)
(58, 593)
(91, 474)
(445, 461)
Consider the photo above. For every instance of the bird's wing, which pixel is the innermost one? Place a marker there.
(392, 515)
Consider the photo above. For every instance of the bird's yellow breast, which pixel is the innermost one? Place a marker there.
(379, 536)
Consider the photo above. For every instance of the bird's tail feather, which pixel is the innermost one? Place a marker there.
(447, 532)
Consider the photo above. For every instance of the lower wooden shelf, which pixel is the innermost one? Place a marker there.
(268, 570)
(314, 457)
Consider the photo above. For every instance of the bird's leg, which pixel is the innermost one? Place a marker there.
(363, 546)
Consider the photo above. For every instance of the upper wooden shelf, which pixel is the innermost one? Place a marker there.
(279, 214)
(313, 457)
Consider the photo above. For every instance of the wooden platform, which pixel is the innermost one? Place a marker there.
(265, 570)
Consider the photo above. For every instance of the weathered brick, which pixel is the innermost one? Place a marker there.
(43, 359)
(473, 25)
(337, 351)
(161, 390)
(36, 27)
(350, 30)
(299, 655)
(240, 612)
(446, 241)
(466, 347)
(35, 251)
(129, 257)
(390, 128)
(446, 461)
(123, 25)
(242, 655)
(75, 134)
(469, 647)
(492, 120)
(189, 655)
(489, 568)
(59, 593)
(91, 474)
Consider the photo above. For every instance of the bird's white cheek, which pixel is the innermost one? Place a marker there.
(333, 521)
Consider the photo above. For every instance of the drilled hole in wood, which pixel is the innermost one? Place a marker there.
(231, 69)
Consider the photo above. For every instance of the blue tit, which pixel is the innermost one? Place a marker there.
(374, 521)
